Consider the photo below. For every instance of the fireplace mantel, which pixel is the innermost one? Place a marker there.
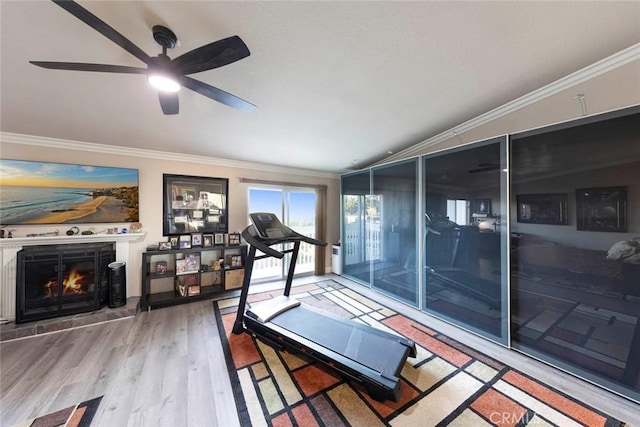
(9, 248)
(64, 239)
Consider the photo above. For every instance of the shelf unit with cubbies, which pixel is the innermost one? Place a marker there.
(179, 276)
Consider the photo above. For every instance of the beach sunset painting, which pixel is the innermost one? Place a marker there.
(59, 193)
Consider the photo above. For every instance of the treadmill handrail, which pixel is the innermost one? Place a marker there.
(250, 235)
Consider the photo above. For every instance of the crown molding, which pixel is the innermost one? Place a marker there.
(66, 144)
(610, 63)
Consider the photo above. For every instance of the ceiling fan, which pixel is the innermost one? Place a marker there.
(167, 75)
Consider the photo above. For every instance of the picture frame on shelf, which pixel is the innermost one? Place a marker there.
(160, 267)
(188, 264)
(207, 240)
(218, 239)
(233, 261)
(196, 240)
(164, 246)
(184, 241)
(174, 242)
(234, 239)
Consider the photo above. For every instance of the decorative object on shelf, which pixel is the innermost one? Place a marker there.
(50, 233)
(164, 246)
(194, 204)
(602, 209)
(160, 267)
(207, 240)
(196, 239)
(543, 208)
(73, 231)
(184, 241)
(234, 239)
(174, 241)
(187, 285)
(135, 227)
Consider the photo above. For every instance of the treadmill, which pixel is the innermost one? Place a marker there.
(362, 353)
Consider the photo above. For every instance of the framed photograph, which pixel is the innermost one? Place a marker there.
(234, 261)
(164, 246)
(188, 264)
(602, 209)
(234, 239)
(67, 193)
(196, 239)
(173, 241)
(218, 239)
(549, 209)
(482, 206)
(184, 242)
(194, 204)
(160, 267)
(207, 240)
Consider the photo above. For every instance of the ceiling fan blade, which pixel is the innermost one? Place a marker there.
(212, 55)
(484, 169)
(103, 28)
(169, 102)
(217, 94)
(79, 66)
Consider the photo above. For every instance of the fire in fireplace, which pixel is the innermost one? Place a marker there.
(56, 280)
(73, 283)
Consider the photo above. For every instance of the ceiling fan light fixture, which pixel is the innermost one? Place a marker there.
(163, 82)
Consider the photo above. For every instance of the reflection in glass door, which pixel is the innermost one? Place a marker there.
(296, 208)
(355, 231)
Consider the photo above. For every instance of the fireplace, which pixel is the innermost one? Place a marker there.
(58, 280)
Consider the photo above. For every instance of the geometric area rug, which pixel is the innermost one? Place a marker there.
(79, 415)
(447, 384)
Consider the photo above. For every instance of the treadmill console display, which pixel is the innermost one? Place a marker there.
(269, 226)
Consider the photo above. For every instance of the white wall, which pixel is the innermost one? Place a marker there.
(151, 168)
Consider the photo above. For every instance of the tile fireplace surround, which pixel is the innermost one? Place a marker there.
(8, 259)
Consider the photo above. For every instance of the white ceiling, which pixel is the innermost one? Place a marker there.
(336, 84)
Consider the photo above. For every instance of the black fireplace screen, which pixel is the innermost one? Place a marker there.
(61, 279)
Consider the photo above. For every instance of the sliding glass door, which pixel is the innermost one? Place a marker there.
(394, 268)
(465, 238)
(296, 208)
(575, 264)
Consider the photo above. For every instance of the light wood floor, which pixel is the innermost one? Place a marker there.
(166, 367)
(163, 367)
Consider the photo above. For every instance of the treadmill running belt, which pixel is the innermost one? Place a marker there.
(358, 342)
